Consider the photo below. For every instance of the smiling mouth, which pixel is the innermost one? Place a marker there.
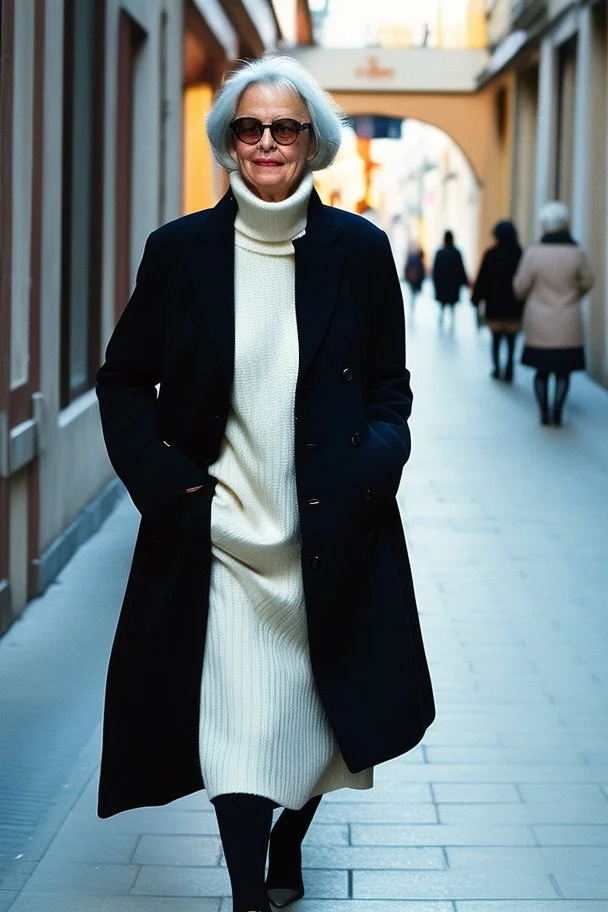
(263, 163)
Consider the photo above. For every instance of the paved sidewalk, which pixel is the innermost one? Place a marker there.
(504, 808)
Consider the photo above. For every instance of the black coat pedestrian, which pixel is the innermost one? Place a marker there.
(494, 283)
(414, 272)
(353, 401)
(449, 275)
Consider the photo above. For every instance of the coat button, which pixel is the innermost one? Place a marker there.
(370, 494)
(312, 446)
(315, 562)
(355, 439)
(313, 501)
(347, 374)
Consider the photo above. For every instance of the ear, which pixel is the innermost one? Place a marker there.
(313, 148)
(232, 149)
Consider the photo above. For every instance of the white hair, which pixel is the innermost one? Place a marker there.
(285, 73)
(554, 216)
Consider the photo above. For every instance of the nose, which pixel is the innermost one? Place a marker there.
(266, 140)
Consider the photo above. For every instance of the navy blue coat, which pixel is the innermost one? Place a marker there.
(353, 401)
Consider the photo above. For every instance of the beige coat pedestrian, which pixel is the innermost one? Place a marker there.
(551, 279)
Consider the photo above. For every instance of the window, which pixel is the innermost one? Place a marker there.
(82, 196)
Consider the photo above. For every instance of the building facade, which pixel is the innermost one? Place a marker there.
(552, 56)
(102, 106)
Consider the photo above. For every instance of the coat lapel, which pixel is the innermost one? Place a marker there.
(319, 265)
(214, 280)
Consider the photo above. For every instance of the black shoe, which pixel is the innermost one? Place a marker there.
(284, 883)
(508, 375)
(281, 897)
(495, 375)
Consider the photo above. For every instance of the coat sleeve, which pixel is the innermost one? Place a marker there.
(154, 472)
(389, 396)
(586, 274)
(523, 278)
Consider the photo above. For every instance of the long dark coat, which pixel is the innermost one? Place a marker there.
(353, 400)
(494, 283)
(449, 275)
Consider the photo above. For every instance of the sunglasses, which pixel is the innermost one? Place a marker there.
(284, 131)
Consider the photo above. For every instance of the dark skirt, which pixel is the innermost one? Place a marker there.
(554, 360)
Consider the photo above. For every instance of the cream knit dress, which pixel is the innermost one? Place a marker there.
(263, 730)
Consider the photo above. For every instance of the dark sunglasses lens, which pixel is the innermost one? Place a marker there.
(285, 131)
(248, 130)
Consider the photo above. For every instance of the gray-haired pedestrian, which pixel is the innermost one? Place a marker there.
(268, 646)
(551, 278)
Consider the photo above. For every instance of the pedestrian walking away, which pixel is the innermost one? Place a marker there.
(493, 291)
(268, 647)
(551, 278)
(449, 274)
(414, 272)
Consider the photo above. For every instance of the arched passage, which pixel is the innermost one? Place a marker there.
(480, 123)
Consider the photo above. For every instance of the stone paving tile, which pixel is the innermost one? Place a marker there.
(534, 906)
(19, 875)
(374, 857)
(580, 885)
(475, 792)
(88, 902)
(554, 791)
(498, 858)
(383, 791)
(452, 885)
(520, 773)
(358, 905)
(7, 898)
(571, 835)
(173, 881)
(98, 847)
(74, 877)
(178, 850)
(562, 812)
(328, 834)
(382, 812)
(442, 835)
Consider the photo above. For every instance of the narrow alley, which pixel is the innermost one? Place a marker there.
(503, 808)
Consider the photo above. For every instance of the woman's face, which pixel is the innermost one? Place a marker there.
(270, 170)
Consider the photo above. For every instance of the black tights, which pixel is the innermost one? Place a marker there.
(497, 338)
(245, 825)
(541, 390)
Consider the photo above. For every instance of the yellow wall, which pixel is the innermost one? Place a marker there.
(198, 189)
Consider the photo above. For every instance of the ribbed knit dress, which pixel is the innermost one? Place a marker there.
(263, 730)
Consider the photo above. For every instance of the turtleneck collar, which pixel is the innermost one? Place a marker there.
(270, 227)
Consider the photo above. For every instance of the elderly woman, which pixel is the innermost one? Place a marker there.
(552, 277)
(268, 647)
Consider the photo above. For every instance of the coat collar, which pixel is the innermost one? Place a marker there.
(319, 263)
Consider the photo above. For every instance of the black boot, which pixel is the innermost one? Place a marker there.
(508, 376)
(496, 336)
(284, 881)
(244, 822)
(541, 390)
(562, 384)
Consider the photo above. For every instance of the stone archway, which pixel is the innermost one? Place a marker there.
(479, 123)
